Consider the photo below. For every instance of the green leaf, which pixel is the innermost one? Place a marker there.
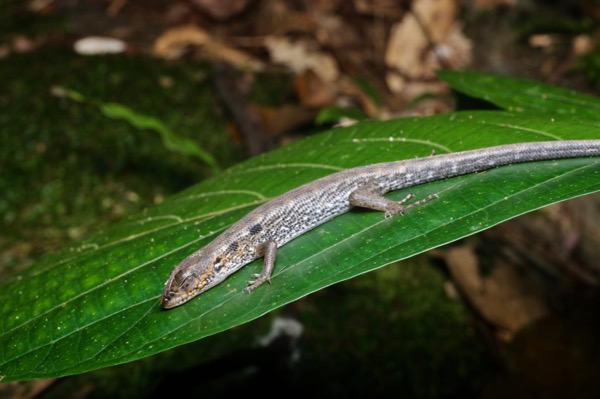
(521, 95)
(96, 304)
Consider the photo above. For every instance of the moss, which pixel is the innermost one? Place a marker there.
(67, 169)
(392, 331)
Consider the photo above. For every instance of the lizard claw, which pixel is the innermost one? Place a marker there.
(259, 280)
(397, 208)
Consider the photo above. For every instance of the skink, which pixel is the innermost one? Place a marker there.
(273, 224)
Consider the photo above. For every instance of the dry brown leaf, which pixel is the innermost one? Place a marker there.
(436, 16)
(381, 8)
(4, 51)
(482, 5)
(424, 39)
(325, 6)
(455, 51)
(312, 91)
(582, 45)
(501, 297)
(175, 42)
(349, 88)
(24, 44)
(115, 7)
(279, 18)
(221, 9)
(405, 47)
(275, 121)
(25, 389)
(300, 56)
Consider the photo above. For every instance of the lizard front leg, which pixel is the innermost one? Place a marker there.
(269, 250)
(369, 196)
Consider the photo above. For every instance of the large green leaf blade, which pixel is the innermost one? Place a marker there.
(522, 95)
(96, 304)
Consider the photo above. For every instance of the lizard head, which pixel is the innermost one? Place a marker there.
(192, 277)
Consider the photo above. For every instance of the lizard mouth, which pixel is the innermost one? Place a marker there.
(170, 297)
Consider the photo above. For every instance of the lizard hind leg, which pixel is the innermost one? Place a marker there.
(370, 196)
